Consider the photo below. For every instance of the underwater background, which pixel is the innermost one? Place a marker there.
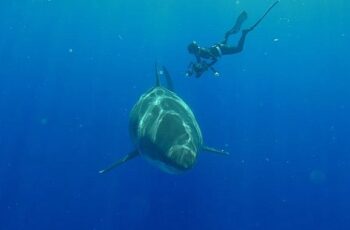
(70, 72)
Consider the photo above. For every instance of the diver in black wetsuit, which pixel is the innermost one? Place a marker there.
(222, 48)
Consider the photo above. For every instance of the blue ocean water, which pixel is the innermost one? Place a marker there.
(70, 71)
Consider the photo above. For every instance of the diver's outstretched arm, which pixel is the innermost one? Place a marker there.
(189, 71)
(210, 66)
(215, 72)
(214, 60)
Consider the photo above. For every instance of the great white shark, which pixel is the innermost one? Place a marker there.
(164, 130)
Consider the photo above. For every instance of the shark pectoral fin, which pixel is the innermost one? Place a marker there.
(216, 151)
(126, 158)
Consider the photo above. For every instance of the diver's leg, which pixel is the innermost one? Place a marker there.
(239, 21)
(227, 49)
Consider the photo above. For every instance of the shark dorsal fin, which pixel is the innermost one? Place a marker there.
(162, 71)
(168, 79)
(157, 75)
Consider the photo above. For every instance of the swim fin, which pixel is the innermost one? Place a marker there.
(239, 21)
(260, 19)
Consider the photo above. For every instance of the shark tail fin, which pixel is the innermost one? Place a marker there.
(126, 158)
(216, 151)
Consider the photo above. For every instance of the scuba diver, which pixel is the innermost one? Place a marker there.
(207, 57)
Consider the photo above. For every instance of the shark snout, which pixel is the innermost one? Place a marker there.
(183, 157)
